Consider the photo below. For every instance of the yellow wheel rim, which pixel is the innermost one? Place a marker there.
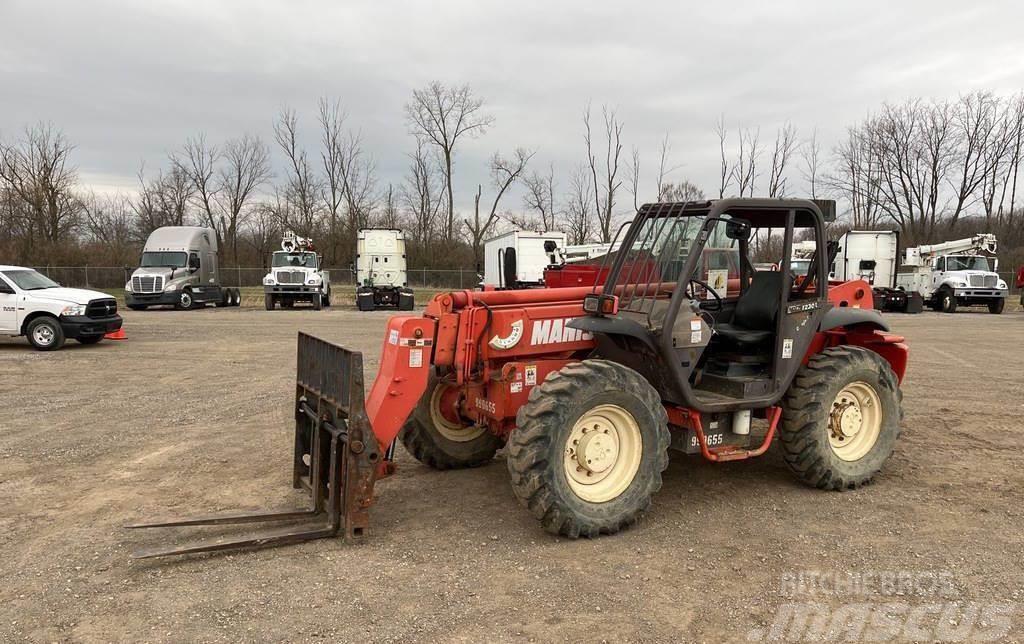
(855, 421)
(602, 454)
(455, 432)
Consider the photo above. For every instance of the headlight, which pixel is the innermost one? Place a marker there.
(172, 287)
(313, 280)
(268, 281)
(1002, 285)
(961, 284)
(73, 310)
(128, 287)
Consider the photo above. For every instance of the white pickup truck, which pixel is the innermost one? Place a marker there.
(35, 306)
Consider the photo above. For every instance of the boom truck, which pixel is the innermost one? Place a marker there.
(954, 274)
(590, 388)
(296, 275)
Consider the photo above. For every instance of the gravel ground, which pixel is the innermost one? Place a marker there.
(191, 414)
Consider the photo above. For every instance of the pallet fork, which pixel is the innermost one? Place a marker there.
(337, 459)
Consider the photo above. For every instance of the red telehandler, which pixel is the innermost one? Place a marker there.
(589, 388)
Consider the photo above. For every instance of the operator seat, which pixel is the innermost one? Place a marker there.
(753, 320)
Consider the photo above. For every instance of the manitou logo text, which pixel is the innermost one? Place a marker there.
(555, 331)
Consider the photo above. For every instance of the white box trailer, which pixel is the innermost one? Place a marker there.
(517, 259)
(381, 272)
(869, 255)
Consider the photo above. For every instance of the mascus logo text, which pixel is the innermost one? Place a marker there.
(555, 331)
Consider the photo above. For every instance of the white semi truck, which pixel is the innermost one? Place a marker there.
(296, 275)
(955, 273)
(517, 259)
(874, 256)
(179, 268)
(382, 278)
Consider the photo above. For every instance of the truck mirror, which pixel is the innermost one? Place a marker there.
(737, 229)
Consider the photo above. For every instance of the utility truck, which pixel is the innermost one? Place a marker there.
(45, 312)
(589, 390)
(296, 275)
(382, 278)
(954, 274)
(179, 268)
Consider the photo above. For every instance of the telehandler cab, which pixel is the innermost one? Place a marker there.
(589, 388)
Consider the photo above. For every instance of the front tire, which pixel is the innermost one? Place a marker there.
(268, 302)
(841, 418)
(318, 302)
(996, 306)
(947, 301)
(589, 449)
(185, 301)
(436, 436)
(44, 334)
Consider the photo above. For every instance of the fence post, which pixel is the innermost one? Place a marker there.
(239, 272)
(86, 276)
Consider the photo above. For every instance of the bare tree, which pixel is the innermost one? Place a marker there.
(441, 115)
(198, 162)
(540, 196)
(109, 222)
(682, 191)
(744, 170)
(579, 218)
(245, 167)
(785, 144)
(664, 170)
(857, 176)
(302, 187)
(163, 200)
(389, 215)
(333, 155)
(421, 195)
(725, 170)
(633, 165)
(605, 187)
(38, 172)
(504, 172)
(810, 167)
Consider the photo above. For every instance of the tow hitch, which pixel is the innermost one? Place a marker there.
(337, 459)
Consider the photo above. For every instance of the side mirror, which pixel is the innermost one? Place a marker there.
(736, 229)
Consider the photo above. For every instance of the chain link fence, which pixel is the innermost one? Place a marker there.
(110, 278)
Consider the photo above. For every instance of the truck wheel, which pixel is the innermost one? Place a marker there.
(436, 436)
(268, 302)
(996, 305)
(318, 302)
(185, 301)
(44, 333)
(947, 301)
(327, 298)
(589, 449)
(225, 299)
(841, 418)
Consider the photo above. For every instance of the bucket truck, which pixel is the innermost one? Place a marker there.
(955, 273)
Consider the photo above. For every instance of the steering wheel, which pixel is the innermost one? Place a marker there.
(718, 298)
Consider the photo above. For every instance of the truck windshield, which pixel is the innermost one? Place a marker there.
(307, 260)
(168, 259)
(30, 280)
(967, 263)
(800, 266)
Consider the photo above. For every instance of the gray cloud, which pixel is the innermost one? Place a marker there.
(129, 81)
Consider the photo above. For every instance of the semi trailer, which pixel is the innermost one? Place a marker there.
(517, 259)
(179, 268)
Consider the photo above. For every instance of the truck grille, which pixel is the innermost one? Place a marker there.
(148, 284)
(101, 308)
(291, 277)
(986, 281)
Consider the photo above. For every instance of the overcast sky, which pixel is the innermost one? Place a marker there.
(129, 81)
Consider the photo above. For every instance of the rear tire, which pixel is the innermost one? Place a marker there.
(589, 449)
(439, 439)
(44, 333)
(996, 306)
(841, 418)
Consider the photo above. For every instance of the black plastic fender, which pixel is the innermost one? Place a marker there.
(846, 316)
(614, 326)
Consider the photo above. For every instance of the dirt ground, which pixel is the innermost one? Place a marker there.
(192, 415)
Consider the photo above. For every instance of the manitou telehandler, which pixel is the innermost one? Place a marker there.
(589, 388)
